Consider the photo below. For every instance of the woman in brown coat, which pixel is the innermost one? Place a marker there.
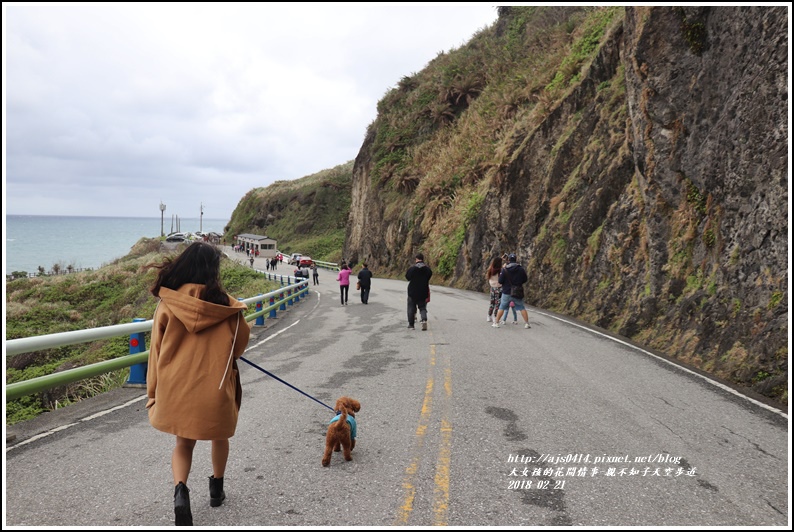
(192, 381)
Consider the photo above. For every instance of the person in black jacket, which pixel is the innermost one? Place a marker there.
(365, 279)
(418, 277)
(512, 277)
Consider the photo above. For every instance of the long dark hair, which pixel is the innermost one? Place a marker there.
(496, 267)
(200, 263)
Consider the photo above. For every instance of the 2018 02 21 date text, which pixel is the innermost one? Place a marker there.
(535, 484)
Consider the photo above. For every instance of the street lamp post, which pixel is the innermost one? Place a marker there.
(201, 219)
(162, 212)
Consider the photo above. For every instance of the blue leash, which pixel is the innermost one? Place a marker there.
(288, 384)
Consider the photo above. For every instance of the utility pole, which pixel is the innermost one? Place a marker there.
(201, 219)
(162, 212)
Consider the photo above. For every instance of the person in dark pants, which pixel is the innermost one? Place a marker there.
(418, 277)
(365, 278)
(315, 275)
(344, 282)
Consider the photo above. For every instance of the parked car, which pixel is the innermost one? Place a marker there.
(175, 237)
(305, 261)
(294, 259)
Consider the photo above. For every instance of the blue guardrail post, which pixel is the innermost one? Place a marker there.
(260, 320)
(137, 378)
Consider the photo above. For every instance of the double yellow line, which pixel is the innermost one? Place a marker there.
(441, 479)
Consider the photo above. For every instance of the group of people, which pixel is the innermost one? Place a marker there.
(505, 276)
(418, 276)
(271, 264)
(303, 271)
(364, 282)
(199, 332)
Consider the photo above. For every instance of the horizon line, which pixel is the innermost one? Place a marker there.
(102, 216)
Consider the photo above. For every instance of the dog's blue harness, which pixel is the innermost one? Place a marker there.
(350, 421)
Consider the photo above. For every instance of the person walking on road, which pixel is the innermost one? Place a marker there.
(344, 282)
(192, 380)
(495, 289)
(365, 280)
(512, 306)
(418, 277)
(512, 278)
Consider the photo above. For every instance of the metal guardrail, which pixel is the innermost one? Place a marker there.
(278, 300)
(327, 265)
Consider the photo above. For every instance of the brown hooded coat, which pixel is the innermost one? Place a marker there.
(192, 382)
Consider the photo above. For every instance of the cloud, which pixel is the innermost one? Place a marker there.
(199, 103)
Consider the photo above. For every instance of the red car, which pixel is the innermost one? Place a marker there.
(305, 261)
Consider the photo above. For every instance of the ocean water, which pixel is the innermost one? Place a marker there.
(82, 241)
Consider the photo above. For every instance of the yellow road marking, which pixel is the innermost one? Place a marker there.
(442, 475)
(441, 491)
(410, 490)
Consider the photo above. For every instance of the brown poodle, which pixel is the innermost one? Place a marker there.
(341, 433)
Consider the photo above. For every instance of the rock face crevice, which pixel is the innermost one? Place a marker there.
(651, 200)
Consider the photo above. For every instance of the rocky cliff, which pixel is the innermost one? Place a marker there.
(636, 160)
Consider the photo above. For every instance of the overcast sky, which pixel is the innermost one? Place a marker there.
(110, 109)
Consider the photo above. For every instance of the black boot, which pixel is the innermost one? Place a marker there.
(217, 495)
(182, 514)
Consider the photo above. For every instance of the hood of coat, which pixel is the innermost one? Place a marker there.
(194, 313)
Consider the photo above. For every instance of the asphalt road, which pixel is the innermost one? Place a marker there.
(460, 425)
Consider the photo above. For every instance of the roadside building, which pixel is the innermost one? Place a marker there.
(253, 243)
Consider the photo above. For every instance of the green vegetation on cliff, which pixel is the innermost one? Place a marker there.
(307, 215)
